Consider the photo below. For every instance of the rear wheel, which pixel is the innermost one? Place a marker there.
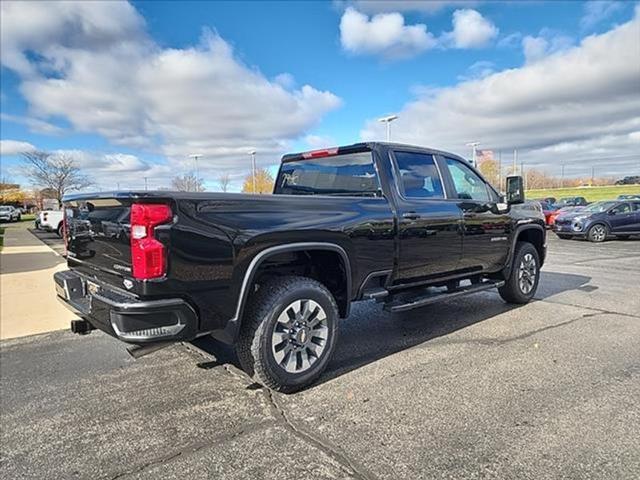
(288, 333)
(59, 230)
(597, 233)
(524, 277)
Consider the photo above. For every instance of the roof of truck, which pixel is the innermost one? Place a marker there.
(360, 146)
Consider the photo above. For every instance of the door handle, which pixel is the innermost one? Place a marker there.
(410, 216)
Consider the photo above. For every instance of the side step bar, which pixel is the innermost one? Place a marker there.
(427, 298)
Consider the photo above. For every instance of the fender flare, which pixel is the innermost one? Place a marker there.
(233, 325)
(519, 229)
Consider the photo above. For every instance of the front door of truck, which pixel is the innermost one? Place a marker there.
(485, 243)
(429, 234)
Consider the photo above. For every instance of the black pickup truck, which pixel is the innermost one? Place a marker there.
(272, 274)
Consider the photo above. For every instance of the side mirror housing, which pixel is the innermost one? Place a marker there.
(515, 190)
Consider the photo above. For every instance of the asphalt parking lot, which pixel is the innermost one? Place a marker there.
(471, 388)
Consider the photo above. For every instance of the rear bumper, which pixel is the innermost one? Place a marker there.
(125, 317)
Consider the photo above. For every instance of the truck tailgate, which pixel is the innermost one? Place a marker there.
(97, 234)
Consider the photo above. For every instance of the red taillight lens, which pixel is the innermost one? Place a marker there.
(147, 254)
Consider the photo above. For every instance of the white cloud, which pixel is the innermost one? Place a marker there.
(34, 125)
(423, 6)
(479, 69)
(319, 141)
(384, 34)
(547, 43)
(556, 109)
(470, 30)
(14, 147)
(598, 11)
(92, 64)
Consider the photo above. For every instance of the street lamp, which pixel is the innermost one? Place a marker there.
(253, 168)
(196, 156)
(473, 146)
(388, 121)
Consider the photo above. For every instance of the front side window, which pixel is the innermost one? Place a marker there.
(419, 176)
(346, 174)
(622, 208)
(468, 185)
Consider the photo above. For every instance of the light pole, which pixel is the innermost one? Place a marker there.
(388, 119)
(195, 157)
(253, 169)
(473, 146)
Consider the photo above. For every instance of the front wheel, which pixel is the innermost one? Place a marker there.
(289, 333)
(524, 277)
(597, 233)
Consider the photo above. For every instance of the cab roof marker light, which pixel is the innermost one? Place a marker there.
(327, 152)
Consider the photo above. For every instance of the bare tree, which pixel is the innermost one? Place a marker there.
(224, 179)
(58, 173)
(187, 183)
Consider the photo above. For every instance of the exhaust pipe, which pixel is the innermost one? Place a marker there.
(137, 351)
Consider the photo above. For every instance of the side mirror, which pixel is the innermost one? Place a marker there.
(515, 190)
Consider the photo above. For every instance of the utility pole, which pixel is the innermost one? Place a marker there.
(522, 175)
(195, 157)
(500, 170)
(474, 146)
(562, 177)
(592, 174)
(515, 161)
(388, 121)
(253, 169)
(145, 184)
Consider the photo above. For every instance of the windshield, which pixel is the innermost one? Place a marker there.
(5, 209)
(598, 207)
(347, 174)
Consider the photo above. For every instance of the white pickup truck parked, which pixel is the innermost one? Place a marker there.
(50, 221)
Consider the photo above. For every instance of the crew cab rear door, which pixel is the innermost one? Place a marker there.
(429, 235)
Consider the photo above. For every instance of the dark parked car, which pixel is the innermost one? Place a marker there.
(572, 202)
(629, 197)
(600, 220)
(272, 274)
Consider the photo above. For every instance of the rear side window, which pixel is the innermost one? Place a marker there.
(469, 186)
(419, 176)
(347, 174)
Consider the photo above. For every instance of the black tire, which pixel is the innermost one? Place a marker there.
(513, 291)
(254, 346)
(597, 233)
(60, 230)
(562, 236)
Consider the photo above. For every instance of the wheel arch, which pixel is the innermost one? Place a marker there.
(531, 233)
(341, 289)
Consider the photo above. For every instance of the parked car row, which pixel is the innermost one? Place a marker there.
(600, 220)
(9, 213)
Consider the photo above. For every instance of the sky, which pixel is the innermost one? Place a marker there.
(132, 89)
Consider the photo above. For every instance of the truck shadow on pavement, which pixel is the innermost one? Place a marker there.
(371, 334)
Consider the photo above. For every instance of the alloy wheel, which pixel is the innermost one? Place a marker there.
(299, 336)
(527, 272)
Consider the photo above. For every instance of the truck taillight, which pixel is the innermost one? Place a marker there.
(148, 258)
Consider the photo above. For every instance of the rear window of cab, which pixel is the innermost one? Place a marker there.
(350, 174)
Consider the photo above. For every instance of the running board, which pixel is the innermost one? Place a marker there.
(427, 298)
